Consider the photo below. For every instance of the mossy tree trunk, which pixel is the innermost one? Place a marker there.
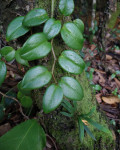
(63, 129)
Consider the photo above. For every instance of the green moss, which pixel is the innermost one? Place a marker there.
(65, 130)
(114, 16)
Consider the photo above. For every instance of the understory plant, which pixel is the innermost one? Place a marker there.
(29, 134)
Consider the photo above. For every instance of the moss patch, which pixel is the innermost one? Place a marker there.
(114, 16)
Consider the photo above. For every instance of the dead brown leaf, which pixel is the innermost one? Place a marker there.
(111, 99)
(98, 97)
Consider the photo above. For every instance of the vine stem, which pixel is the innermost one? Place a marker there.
(21, 111)
(53, 66)
(53, 52)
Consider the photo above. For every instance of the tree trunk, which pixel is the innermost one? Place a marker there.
(65, 131)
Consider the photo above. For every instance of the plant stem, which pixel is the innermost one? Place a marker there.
(54, 56)
(53, 66)
(52, 8)
(21, 111)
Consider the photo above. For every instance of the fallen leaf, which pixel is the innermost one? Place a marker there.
(108, 57)
(98, 97)
(85, 122)
(111, 99)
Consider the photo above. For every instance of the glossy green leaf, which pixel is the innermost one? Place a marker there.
(66, 7)
(19, 59)
(35, 47)
(81, 129)
(3, 71)
(25, 136)
(71, 62)
(52, 98)
(35, 78)
(89, 132)
(23, 91)
(8, 52)
(79, 23)
(16, 29)
(26, 101)
(35, 17)
(71, 88)
(98, 126)
(52, 28)
(72, 36)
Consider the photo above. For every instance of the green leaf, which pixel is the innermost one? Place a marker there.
(19, 59)
(35, 17)
(66, 114)
(89, 132)
(52, 98)
(8, 52)
(26, 101)
(81, 129)
(71, 88)
(66, 7)
(25, 136)
(79, 23)
(35, 78)
(91, 112)
(72, 36)
(98, 126)
(23, 91)
(96, 87)
(68, 106)
(52, 28)
(16, 29)
(71, 62)
(3, 71)
(35, 47)
(8, 101)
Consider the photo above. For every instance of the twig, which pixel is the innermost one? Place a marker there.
(52, 141)
(21, 111)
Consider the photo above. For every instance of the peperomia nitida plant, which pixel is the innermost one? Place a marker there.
(36, 47)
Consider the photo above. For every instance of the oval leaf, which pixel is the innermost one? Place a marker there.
(71, 62)
(19, 59)
(71, 88)
(8, 52)
(35, 17)
(3, 71)
(26, 101)
(52, 98)
(35, 78)
(66, 7)
(16, 29)
(52, 28)
(79, 23)
(72, 36)
(35, 47)
(23, 136)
